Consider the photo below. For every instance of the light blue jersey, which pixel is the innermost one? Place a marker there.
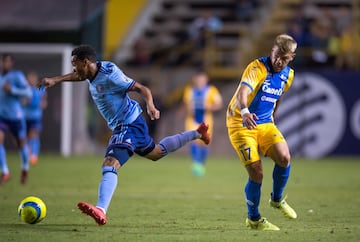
(109, 92)
(10, 103)
(33, 109)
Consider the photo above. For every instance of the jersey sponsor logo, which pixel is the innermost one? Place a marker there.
(270, 90)
(99, 88)
(268, 99)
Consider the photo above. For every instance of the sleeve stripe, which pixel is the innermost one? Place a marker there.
(131, 85)
(247, 84)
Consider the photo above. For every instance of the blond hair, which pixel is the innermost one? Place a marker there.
(286, 43)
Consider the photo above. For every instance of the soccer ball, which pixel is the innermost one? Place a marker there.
(32, 210)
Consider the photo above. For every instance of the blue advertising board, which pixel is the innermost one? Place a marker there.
(320, 115)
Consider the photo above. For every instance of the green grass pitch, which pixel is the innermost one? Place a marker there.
(162, 201)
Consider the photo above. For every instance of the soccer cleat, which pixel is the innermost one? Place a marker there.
(282, 205)
(4, 178)
(198, 169)
(24, 176)
(33, 159)
(202, 130)
(96, 213)
(261, 224)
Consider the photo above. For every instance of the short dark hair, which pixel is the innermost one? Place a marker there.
(5, 55)
(83, 52)
(200, 71)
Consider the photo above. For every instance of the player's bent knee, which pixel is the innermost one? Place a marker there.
(284, 160)
(255, 171)
(154, 157)
(111, 161)
(287, 158)
(155, 154)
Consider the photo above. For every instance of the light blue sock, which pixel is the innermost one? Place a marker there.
(107, 186)
(280, 178)
(36, 147)
(172, 143)
(34, 144)
(3, 163)
(30, 145)
(252, 193)
(24, 156)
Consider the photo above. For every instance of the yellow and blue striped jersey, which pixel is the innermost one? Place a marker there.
(266, 87)
(197, 101)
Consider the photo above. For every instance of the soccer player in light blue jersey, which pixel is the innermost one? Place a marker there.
(109, 88)
(33, 115)
(13, 87)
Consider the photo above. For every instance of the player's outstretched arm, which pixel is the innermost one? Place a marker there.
(51, 81)
(152, 111)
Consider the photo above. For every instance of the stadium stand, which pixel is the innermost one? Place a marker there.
(229, 48)
(167, 36)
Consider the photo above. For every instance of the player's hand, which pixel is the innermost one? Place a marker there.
(46, 83)
(153, 113)
(249, 120)
(6, 87)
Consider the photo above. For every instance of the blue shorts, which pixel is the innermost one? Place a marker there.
(134, 138)
(34, 124)
(17, 127)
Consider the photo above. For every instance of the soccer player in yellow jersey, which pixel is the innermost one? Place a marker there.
(201, 100)
(251, 128)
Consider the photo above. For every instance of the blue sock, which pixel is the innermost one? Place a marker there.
(24, 156)
(34, 144)
(107, 186)
(3, 163)
(198, 153)
(280, 177)
(172, 143)
(195, 153)
(204, 150)
(252, 193)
